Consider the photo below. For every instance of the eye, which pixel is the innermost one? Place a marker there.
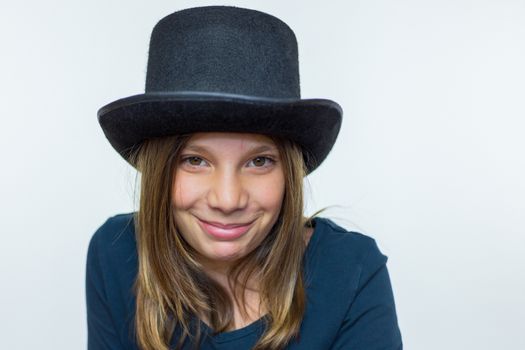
(260, 162)
(194, 161)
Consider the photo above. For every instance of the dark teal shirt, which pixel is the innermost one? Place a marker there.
(350, 304)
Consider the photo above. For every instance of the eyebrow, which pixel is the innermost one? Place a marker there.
(256, 149)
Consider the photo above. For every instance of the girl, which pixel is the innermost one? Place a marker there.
(219, 254)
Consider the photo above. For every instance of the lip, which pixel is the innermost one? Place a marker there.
(224, 232)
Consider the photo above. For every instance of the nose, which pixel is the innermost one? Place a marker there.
(228, 193)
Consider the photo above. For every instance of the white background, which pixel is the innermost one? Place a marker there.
(429, 160)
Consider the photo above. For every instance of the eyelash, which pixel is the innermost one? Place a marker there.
(270, 160)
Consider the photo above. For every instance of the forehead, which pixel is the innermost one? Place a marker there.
(231, 141)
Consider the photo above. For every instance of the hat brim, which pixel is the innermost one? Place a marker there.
(312, 123)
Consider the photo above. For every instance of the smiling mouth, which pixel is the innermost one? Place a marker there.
(225, 226)
(222, 231)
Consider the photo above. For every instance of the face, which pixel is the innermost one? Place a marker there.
(227, 194)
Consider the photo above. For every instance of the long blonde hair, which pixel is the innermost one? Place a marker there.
(171, 288)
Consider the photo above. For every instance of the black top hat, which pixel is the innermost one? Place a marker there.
(221, 68)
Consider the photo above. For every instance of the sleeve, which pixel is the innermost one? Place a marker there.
(102, 334)
(371, 321)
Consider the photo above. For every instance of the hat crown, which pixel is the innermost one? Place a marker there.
(223, 49)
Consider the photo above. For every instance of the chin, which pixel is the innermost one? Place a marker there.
(225, 254)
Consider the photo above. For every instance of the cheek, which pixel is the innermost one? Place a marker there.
(270, 193)
(186, 190)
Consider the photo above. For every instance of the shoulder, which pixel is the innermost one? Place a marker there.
(113, 233)
(353, 249)
(338, 264)
(114, 226)
(112, 247)
(336, 255)
(111, 269)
